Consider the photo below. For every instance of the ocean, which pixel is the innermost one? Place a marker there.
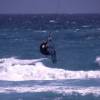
(26, 74)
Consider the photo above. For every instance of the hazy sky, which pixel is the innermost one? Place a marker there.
(49, 6)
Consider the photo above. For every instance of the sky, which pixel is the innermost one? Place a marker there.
(49, 6)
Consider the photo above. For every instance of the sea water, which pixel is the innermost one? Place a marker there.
(26, 74)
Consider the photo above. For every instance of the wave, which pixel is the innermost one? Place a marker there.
(55, 89)
(13, 69)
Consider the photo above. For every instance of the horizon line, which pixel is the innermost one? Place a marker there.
(46, 13)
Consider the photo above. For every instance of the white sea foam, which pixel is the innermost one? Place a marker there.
(76, 30)
(98, 60)
(52, 21)
(43, 31)
(17, 70)
(85, 26)
(55, 89)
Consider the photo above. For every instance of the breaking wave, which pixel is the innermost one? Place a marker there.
(13, 69)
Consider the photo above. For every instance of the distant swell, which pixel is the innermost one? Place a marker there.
(19, 70)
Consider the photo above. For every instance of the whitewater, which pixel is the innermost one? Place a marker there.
(12, 69)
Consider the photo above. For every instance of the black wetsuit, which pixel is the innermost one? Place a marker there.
(44, 48)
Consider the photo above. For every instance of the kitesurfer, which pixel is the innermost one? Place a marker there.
(47, 48)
